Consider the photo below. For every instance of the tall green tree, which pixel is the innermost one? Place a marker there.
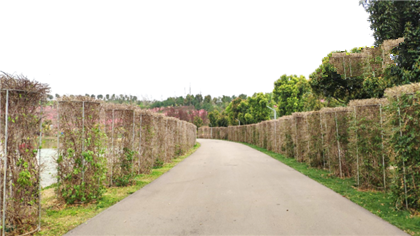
(233, 111)
(222, 121)
(243, 96)
(288, 94)
(257, 109)
(392, 20)
(207, 99)
(198, 121)
(213, 116)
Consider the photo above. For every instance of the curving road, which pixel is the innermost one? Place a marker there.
(227, 188)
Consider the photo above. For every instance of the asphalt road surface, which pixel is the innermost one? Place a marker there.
(227, 188)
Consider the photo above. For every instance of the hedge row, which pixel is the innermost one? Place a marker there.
(99, 145)
(375, 141)
(102, 144)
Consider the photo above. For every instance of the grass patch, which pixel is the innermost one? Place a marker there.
(58, 218)
(379, 203)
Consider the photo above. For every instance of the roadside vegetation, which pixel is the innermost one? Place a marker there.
(58, 218)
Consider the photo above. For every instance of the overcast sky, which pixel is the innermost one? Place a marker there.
(158, 48)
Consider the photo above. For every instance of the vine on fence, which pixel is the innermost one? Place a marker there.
(81, 165)
(20, 169)
(121, 133)
(404, 116)
(315, 139)
(367, 143)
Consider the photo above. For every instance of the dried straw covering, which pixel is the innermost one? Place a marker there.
(287, 135)
(366, 136)
(213, 132)
(120, 130)
(147, 132)
(348, 65)
(394, 92)
(316, 153)
(84, 128)
(120, 141)
(387, 46)
(355, 64)
(21, 97)
(404, 141)
(335, 132)
(300, 126)
(272, 132)
(81, 163)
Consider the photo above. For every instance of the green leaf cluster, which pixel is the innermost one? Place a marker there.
(288, 94)
(404, 145)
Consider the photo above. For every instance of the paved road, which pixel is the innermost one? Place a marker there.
(226, 188)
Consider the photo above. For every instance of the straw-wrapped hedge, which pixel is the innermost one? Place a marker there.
(404, 142)
(121, 133)
(367, 142)
(335, 132)
(19, 167)
(375, 141)
(213, 132)
(315, 138)
(287, 136)
(94, 141)
(117, 141)
(300, 126)
(81, 165)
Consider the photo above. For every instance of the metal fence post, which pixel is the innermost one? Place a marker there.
(338, 144)
(404, 179)
(322, 140)
(5, 162)
(39, 169)
(383, 155)
(132, 143)
(58, 136)
(141, 119)
(357, 149)
(83, 142)
(112, 145)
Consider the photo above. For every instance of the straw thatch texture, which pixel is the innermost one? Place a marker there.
(315, 139)
(120, 129)
(19, 147)
(367, 143)
(270, 135)
(254, 134)
(286, 135)
(148, 133)
(394, 92)
(242, 133)
(348, 65)
(404, 140)
(81, 166)
(170, 138)
(387, 46)
(300, 126)
(369, 60)
(161, 139)
(335, 131)
(213, 132)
